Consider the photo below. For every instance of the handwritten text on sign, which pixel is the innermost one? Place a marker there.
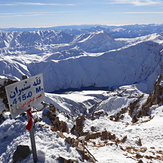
(24, 94)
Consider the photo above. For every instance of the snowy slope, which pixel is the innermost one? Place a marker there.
(20, 39)
(96, 42)
(114, 68)
(143, 139)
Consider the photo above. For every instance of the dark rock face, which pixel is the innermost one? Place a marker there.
(21, 153)
(3, 92)
(154, 98)
(136, 109)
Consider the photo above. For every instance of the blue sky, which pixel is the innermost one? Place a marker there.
(47, 13)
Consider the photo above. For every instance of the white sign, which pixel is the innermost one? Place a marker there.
(24, 94)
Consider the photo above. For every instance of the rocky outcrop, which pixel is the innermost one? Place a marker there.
(57, 125)
(3, 92)
(103, 135)
(154, 98)
(119, 115)
(64, 160)
(131, 109)
(3, 96)
(79, 144)
(98, 114)
(138, 153)
(86, 155)
(137, 109)
(78, 127)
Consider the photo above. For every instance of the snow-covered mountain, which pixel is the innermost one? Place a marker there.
(92, 59)
(121, 124)
(96, 42)
(125, 31)
(34, 38)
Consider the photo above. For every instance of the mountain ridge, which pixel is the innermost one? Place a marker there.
(125, 31)
(91, 59)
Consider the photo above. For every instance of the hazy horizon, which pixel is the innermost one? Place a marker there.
(29, 14)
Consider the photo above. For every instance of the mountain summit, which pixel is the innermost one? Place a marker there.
(96, 42)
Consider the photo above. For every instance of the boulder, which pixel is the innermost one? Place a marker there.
(64, 160)
(21, 153)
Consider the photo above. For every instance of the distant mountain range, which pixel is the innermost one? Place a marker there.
(81, 60)
(126, 31)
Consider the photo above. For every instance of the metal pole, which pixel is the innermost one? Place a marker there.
(31, 132)
(33, 144)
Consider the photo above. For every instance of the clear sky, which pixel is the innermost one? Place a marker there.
(47, 13)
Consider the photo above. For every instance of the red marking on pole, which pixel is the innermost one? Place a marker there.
(29, 125)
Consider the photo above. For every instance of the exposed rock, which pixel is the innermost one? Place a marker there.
(138, 156)
(86, 155)
(61, 135)
(158, 91)
(73, 142)
(93, 136)
(103, 135)
(139, 152)
(139, 142)
(80, 147)
(98, 114)
(53, 109)
(93, 128)
(119, 115)
(50, 115)
(136, 109)
(143, 149)
(78, 127)
(134, 106)
(2, 117)
(3, 92)
(154, 98)
(58, 125)
(124, 139)
(21, 153)
(63, 160)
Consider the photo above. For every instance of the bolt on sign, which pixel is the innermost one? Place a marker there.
(25, 94)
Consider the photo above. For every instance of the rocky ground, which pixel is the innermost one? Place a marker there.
(90, 126)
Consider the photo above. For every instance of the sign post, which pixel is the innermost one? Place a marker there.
(31, 132)
(21, 97)
(33, 144)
